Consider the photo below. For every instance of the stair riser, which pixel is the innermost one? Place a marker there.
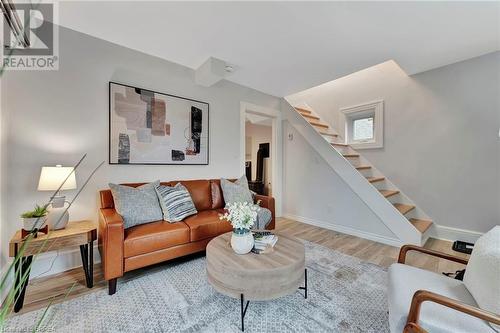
(310, 117)
(320, 126)
(343, 150)
(394, 198)
(366, 172)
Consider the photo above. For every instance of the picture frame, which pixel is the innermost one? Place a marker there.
(147, 127)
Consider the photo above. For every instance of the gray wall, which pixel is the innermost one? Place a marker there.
(54, 117)
(313, 193)
(441, 144)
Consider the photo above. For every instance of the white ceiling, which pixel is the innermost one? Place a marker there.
(285, 47)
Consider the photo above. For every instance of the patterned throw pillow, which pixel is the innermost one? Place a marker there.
(137, 205)
(176, 202)
(237, 191)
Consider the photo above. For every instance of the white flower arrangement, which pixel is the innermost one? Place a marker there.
(241, 215)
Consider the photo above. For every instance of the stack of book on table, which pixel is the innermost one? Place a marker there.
(263, 241)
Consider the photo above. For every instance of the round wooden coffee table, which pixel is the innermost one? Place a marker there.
(256, 277)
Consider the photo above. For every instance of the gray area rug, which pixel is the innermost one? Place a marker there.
(345, 295)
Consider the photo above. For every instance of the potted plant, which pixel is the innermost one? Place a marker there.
(242, 216)
(34, 219)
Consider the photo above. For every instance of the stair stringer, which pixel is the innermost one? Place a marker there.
(391, 217)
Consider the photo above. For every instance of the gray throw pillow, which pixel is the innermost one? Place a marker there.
(137, 205)
(237, 191)
(175, 202)
(264, 217)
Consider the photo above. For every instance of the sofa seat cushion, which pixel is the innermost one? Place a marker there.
(207, 224)
(405, 280)
(154, 236)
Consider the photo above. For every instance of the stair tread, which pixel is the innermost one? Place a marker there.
(302, 110)
(330, 134)
(318, 124)
(350, 155)
(403, 208)
(363, 167)
(374, 179)
(388, 193)
(339, 144)
(307, 115)
(421, 225)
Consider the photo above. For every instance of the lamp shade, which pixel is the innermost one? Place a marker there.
(52, 177)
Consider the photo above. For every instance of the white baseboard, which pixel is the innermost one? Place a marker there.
(453, 234)
(345, 230)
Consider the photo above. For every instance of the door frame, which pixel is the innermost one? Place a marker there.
(276, 146)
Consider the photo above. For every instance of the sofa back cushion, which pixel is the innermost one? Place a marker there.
(217, 197)
(199, 190)
(482, 275)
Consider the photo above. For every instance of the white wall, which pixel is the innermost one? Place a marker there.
(313, 193)
(441, 144)
(259, 134)
(57, 116)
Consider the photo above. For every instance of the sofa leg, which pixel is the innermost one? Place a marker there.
(112, 286)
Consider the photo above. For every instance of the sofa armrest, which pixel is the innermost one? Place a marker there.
(267, 202)
(111, 235)
(421, 296)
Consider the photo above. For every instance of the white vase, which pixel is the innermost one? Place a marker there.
(30, 223)
(242, 241)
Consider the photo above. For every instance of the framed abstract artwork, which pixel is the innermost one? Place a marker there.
(147, 127)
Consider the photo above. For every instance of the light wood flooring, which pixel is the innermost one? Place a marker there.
(41, 291)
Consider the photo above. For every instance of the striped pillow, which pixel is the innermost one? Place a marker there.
(175, 202)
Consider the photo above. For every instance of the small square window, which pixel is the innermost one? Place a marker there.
(364, 125)
(362, 129)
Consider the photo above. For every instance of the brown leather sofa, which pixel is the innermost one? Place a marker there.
(124, 250)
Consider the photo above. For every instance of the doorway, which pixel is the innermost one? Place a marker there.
(258, 157)
(261, 150)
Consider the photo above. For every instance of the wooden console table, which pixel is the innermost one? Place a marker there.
(76, 233)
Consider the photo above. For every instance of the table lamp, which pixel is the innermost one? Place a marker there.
(50, 180)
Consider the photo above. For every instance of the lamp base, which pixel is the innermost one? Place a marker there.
(58, 216)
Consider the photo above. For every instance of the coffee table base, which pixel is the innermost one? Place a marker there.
(244, 306)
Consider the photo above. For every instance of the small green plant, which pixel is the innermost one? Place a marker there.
(39, 211)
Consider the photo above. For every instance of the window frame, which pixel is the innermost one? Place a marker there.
(373, 109)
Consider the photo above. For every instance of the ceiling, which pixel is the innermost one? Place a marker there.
(285, 47)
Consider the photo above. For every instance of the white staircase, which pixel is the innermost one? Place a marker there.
(402, 216)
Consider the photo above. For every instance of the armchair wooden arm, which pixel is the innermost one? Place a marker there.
(423, 295)
(406, 248)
